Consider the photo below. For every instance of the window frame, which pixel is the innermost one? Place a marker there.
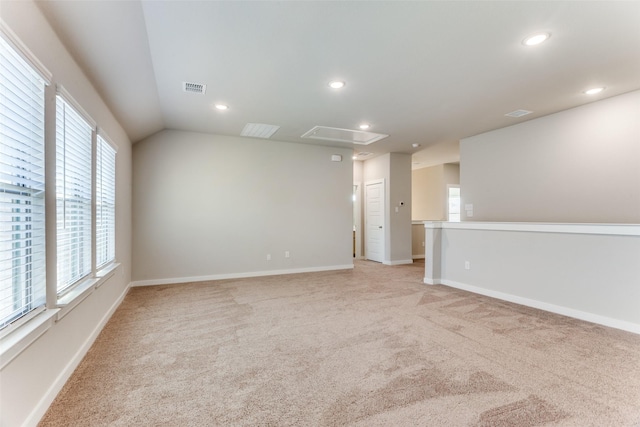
(35, 67)
(448, 203)
(21, 333)
(103, 140)
(89, 272)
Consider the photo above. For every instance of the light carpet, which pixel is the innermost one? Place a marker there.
(368, 347)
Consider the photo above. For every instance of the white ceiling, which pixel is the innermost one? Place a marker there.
(427, 73)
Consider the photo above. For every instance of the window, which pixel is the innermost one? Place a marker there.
(105, 202)
(453, 203)
(79, 165)
(73, 195)
(22, 235)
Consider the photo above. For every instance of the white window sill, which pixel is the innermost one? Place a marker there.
(15, 342)
(75, 296)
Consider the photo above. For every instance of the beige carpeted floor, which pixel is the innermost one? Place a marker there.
(368, 347)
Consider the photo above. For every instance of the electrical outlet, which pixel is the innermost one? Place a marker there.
(423, 244)
(286, 254)
(467, 265)
(268, 257)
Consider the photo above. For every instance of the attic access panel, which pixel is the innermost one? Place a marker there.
(343, 135)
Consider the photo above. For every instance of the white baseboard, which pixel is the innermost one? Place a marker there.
(41, 408)
(174, 280)
(565, 311)
(431, 281)
(399, 262)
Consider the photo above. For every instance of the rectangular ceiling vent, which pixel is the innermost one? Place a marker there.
(194, 88)
(259, 130)
(343, 135)
(518, 113)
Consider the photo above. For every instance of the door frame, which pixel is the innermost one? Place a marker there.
(358, 218)
(384, 218)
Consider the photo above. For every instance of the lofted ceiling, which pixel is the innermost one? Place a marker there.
(427, 73)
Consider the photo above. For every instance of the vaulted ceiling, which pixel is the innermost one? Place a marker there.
(427, 73)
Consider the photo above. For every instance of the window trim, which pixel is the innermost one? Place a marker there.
(66, 96)
(447, 198)
(14, 43)
(18, 338)
(104, 266)
(90, 275)
(19, 335)
(10, 37)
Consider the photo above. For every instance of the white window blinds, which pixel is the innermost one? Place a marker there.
(22, 234)
(105, 202)
(73, 194)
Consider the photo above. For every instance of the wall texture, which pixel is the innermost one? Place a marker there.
(395, 169)
(429, 199)
(429, 191)
(587, 271)
(208, 206)
(579, 165)
(417, 240)
(31, 381)
(400, 208)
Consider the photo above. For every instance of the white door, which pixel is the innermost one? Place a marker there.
(374, 221)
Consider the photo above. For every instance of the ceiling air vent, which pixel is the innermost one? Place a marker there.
(343, 135)
(518, 113)
(194, 88)
(259, 130)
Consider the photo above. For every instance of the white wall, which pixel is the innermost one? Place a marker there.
(590, 272)
(579, 165)
(395, 169)
(208, 206)
(31, 380)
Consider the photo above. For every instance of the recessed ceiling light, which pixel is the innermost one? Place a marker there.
(364, 126)
(415, 145)
(222, 107)
(536, 39)
(336, 84)
(594, 90)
